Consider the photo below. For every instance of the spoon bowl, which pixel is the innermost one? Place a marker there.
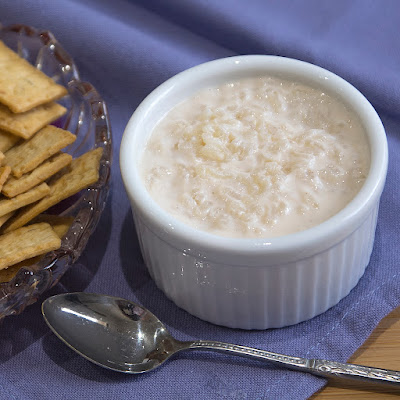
(122, 336)
(109, 331)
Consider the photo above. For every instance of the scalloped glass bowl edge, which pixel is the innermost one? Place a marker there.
(87, 117)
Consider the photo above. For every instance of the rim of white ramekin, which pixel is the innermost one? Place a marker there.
(249, 251)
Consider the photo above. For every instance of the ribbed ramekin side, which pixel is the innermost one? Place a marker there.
(258, 297)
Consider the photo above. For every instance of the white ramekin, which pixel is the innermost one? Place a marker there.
(254, 283)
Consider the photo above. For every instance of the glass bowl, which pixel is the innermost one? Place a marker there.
(87, 118)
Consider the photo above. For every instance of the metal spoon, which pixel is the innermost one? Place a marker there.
(123, 336)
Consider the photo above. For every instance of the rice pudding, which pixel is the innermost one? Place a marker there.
(258, 157)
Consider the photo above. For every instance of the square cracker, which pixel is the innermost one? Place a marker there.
(4, 173)
(7, 140)
(35, 194)
(14, 187)
(5, 218)
(28, 123)
(8, 273)
(81, 173)
(26, 242)
(59, 223)
(27, 155)
(22, 86)
(60, 226)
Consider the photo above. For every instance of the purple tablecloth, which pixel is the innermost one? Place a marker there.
(127, 48)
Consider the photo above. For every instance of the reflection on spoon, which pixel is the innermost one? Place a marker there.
(123, 336)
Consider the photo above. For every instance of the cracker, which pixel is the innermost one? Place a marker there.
(22, 86)
(59, 223)
(4, 173)
(81, 173)
(60, 226)
(8, 273)
(26, 242)
(29, 197)
(1, 157)
(14, 187)
(7, 140)
(5, 218)
(27, 155)
(28, 123)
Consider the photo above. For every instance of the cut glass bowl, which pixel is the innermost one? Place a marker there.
(87, 118)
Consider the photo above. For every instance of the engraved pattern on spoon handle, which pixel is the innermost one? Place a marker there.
(344, 370)
(324, 368)
(288, 361)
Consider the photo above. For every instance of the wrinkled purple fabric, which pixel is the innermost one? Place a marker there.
(126, 48)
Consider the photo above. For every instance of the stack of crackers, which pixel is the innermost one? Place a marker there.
(35, 174)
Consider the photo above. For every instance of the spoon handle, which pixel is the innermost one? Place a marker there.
(327, 369)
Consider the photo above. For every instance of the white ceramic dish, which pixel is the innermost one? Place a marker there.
(254, 283)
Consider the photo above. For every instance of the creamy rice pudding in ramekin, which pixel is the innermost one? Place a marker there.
(325, 158)
(256, 157)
